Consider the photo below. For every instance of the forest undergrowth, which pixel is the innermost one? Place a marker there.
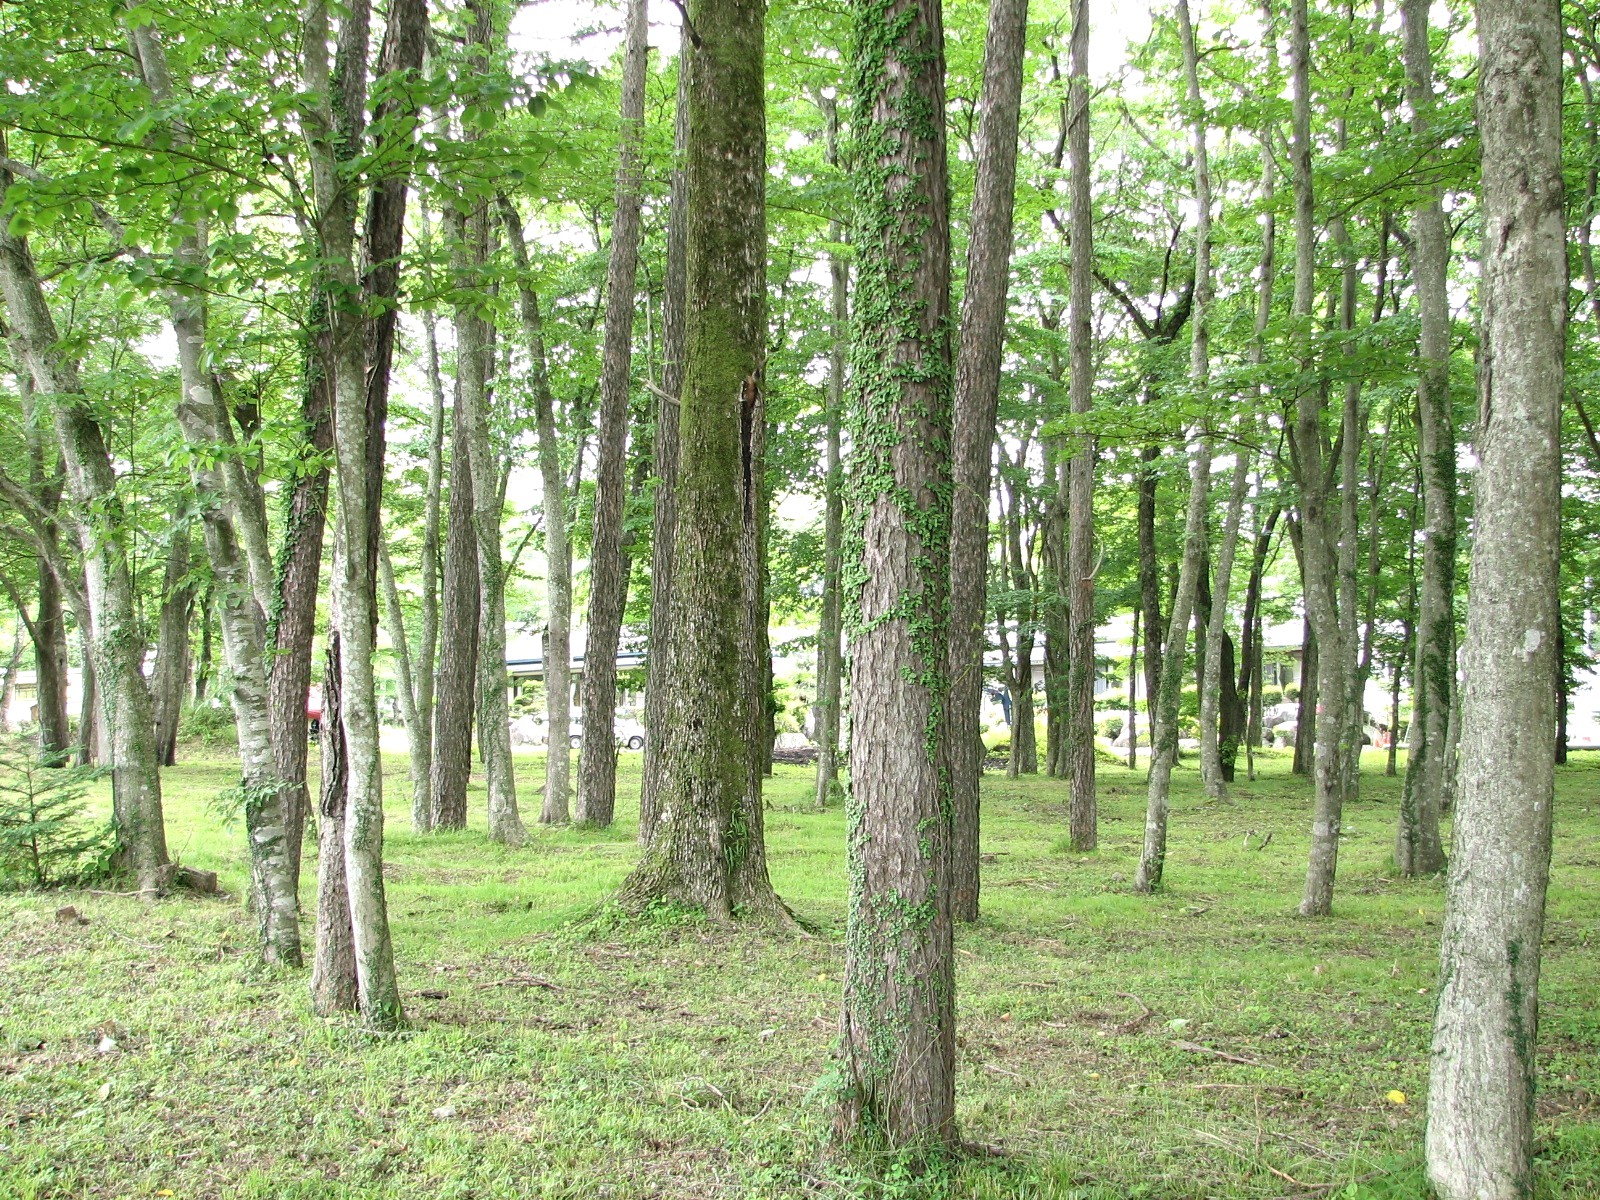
(1203, 1042)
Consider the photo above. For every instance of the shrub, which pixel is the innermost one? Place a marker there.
(211, 725)
(46, 838)
(1111, 727)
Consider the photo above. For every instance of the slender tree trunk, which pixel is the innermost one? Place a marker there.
(1485, 1039)
(1024, 758)
(1419, 849)
(557, 648)
(1217, 700)
(976, 403)
(458, 659)
(1164, 731)
(1083, 816)
(421, 736)
(89, 741)
(662, 680)
(830, 649)
(1133, 707)
(897, 1042)
(608, 585)
(170, 677)
(1149, 578)
(48, 629)
(118, 643)
(333, 968)
(707, 850)
(8, 680)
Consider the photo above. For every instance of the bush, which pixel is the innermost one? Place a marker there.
(1110, 727)
(46, 838)
(211, 725)
(1271, 696)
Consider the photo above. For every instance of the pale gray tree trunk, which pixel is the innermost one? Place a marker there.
(897, 1040)
(1164, 717)
(557, 648)
(170, 677)
(976, 403)
(608, 585)
(1483, 1064)
(1419, 849)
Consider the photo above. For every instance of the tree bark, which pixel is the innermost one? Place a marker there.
(48, 628)
(1419, 849)
(976, 403)
(1483, 1063)
(170, 678)
(707, 851)
(608, 584)
(1164, 730)
(897, 1043)
(333, 966)
(458, 658)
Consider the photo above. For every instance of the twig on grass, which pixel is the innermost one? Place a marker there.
(1145, 1015)
(1197, 1048)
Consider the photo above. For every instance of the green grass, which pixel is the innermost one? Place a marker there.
(566, 1058)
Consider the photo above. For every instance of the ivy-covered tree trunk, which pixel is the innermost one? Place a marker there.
(1485, 1034)
(976, 403)
(608, 582)
(1419, 849)
(897, 1042)
(557, 647)
(117, 641)
(1164, 727)
(1082, 812)
(708, 850)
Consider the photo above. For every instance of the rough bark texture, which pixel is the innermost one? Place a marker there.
(117, 643)
(48, 628)
(897, 1043)
(333, 966)
(557, 648)
(1024, 756)
(428, 642)
(458, 657)
(1082, 814)
(976, 403)
(1481, 1082)
(707, 850)
(1419, 850)
(608, 582)
(1164, 727)
(830, 630)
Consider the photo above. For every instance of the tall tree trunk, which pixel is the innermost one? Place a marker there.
(830, 632)
(1024, 757)
(428, 643)
(333, 967)
(48, 629)
(976, 403)
(1149, 578)
(118, 643)
(1485, 1034)
(662, 680)
(708, 850)
(8, 680)
(170, 678)
(1164, 731)
(458, 658)
(897, 1042)
(1419, 849)
(1083, 816)
(557, 647)
(1133, 708)
(608, 585)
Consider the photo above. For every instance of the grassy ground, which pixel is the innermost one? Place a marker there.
(554, 1059)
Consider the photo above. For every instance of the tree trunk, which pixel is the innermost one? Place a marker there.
(707, 850)
(428, 643)
(170, 678)
(977, 400)
(608, 585)
(204, 660)
(1083, 815)
(474, 367)
(897, 1042)
(557, 646)
(1132, 729)
(1149, 578)
(1024, 757)
(1485, 1038)
(458, 658)
(118, 644)
(662, 681)
(1164, 731)
(1419, 849)
(1218, 722)
(333, 967)
(48, 629)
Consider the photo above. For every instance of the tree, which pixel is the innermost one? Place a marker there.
(608, 583)
(897, 1043)
(1481, 1079)
(976, 404)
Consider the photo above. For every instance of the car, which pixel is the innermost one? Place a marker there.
(629, 732)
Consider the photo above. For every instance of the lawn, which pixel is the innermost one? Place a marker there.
(1204, 1042)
